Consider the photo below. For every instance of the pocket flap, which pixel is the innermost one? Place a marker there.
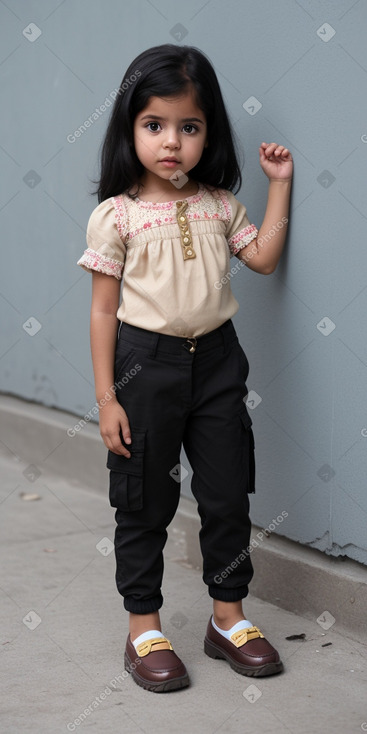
(134, 465)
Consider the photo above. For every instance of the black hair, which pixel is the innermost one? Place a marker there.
(166, 71)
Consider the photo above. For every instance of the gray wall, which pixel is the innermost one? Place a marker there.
(311, 424)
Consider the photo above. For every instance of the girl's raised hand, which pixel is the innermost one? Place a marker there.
(276, 161)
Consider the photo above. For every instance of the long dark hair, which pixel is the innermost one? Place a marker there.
(164, 71)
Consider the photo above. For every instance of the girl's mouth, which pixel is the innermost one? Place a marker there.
(169, 162)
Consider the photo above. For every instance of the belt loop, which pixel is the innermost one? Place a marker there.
(222, 331)
(154, 343)
(225, 335)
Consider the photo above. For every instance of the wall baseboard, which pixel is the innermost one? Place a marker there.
(302, 580)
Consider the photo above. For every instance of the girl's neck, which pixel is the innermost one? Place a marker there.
(157, 192)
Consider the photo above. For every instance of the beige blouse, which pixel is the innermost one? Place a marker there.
(174, 258)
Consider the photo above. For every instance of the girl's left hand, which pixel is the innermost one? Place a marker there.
(276, 161)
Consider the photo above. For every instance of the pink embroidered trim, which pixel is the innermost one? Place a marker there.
(92, 260)
(224, 199)
(170, 220)
(244, 236)
(120, 216)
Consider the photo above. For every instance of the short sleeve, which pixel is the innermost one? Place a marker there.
(239, 232)
(106, 240)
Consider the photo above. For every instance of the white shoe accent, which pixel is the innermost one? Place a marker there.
(242, 624)
(146, 636)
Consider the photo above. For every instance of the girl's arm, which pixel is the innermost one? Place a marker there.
(103, 335)
(263, 253)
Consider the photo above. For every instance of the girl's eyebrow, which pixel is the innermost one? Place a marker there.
(184, 119)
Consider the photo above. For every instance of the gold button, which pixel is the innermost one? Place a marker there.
(186, 239)
(189, 252)
(182, 219)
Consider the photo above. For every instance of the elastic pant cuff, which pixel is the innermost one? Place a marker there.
(143, 606)
(217, 592)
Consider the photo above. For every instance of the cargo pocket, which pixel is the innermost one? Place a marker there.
(126, 475)
(249, 450)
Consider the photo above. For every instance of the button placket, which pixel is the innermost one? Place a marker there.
(186, 240)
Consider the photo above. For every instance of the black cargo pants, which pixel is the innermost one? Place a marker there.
(175, 392)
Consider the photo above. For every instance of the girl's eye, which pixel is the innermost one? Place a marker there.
(156, 126)
(188, 129)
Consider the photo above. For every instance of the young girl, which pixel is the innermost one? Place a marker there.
(174, 372)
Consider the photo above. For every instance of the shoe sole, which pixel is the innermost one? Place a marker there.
(168, 685)
(213, 651)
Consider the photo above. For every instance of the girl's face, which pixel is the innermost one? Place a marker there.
(170, 128)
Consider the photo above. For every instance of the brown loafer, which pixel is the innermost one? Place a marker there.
(155, 666)
(249, 653)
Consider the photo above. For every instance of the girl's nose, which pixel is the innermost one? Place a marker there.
(172, 139)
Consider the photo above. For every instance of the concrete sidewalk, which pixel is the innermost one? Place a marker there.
(64, 630)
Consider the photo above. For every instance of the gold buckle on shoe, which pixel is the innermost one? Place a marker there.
(160, 643)
(242, 636)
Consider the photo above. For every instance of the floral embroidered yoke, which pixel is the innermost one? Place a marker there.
(174, 258)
